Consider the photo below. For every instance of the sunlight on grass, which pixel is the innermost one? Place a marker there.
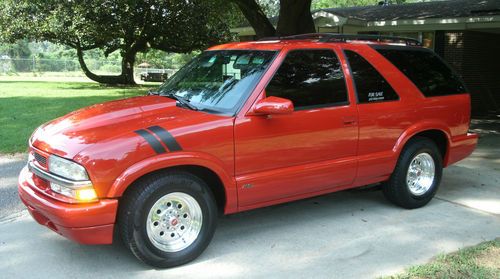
(25, 105)
(481, 261)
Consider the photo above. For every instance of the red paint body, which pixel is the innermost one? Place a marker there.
(260, 159)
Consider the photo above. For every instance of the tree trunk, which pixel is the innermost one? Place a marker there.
(256, 17)
(295, 18)
(126, 76)
(128, 61)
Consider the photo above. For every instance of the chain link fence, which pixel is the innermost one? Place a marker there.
(13, 66)
(67, 68)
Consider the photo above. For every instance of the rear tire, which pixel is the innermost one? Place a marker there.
(168, 219)
(417, 174)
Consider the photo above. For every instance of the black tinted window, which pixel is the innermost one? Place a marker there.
(426, 70)
(371, 86)
(309, 78)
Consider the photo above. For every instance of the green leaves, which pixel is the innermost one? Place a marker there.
(180, 26)
(130, 26)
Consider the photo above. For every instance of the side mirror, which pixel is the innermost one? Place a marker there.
(273, 105)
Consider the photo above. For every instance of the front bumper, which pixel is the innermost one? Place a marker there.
(89, 223)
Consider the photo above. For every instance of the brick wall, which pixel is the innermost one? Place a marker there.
(476, 57)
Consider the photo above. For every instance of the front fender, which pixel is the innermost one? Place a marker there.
(176, 159)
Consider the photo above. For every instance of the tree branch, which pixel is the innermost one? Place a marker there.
(123, 78)
(256, 17)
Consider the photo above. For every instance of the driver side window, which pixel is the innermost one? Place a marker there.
(310, 78)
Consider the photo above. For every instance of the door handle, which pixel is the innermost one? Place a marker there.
(349, 120)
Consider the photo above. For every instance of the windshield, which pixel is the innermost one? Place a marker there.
(218, 81)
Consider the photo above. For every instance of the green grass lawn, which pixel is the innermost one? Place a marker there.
(24, 105)
(481, 261)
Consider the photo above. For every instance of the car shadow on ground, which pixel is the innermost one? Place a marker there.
(345, 228)
(233, 230)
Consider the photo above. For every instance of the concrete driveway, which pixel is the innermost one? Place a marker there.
(10, 166)
(351, 234)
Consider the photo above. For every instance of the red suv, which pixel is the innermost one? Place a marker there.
(246, 125)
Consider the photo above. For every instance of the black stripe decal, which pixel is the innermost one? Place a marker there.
(153, 142)
(166, 138)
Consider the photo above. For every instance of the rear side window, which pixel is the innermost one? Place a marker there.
(426, 70)
(310, 79)
(370, 84)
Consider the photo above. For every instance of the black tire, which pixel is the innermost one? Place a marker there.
(396, 189)
(139, 199)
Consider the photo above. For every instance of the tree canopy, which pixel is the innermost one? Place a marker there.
(134, 26)
(127, 26)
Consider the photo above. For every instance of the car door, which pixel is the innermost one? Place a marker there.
(313, 149)
(385, 110)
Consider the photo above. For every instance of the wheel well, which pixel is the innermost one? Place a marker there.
(211, 178)
(213, 181)
(438, 137)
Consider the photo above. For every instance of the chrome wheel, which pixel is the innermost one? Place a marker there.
(420, 175)
(174, 222)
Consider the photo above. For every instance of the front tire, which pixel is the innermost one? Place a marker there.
(417, 174)
(168, 219)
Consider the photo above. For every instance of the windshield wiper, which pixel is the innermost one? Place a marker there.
(180, 100)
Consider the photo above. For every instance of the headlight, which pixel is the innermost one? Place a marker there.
(73, 171)
(66, 178)
(67, 168)
(86, 194)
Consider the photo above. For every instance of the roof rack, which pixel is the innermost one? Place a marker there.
(334, 37)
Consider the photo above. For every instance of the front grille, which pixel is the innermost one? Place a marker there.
(42, 160)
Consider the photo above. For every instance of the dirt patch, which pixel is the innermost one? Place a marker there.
(490, 258)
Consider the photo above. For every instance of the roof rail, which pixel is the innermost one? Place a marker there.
(376, 38)
(296, 37)
(334, 37)
(274, 38)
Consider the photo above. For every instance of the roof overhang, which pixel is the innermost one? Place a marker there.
(435, 21)
(328, 19)
(324, 19)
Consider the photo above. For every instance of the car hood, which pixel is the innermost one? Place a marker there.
(78, 130)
